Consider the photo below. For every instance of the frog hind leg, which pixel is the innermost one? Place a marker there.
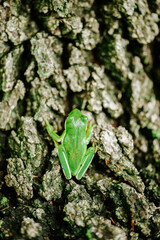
(86, 162)
(64, 161)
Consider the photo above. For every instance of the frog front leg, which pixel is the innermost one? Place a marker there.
(64, 161)
(86, 162)
(89, 132)
(53, 135)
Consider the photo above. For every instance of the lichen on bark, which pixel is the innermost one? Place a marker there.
(103, 58)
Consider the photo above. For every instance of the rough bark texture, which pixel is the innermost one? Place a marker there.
(103, 58)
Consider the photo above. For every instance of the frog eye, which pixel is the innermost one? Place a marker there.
(83, 118)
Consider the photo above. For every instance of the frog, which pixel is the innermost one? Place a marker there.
(73, 154)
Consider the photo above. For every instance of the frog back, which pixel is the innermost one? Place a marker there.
(75, 139)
